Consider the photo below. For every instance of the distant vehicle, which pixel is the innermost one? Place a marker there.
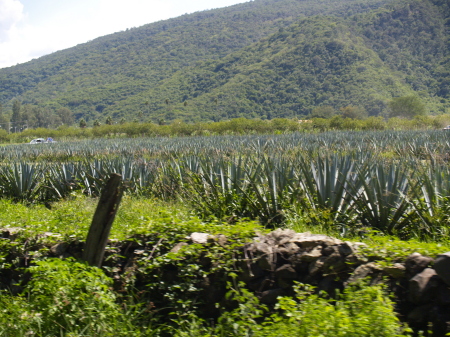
(42, 141)
(446, 128)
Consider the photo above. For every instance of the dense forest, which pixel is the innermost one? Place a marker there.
(260, 59)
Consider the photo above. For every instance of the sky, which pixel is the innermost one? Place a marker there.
(33, 28)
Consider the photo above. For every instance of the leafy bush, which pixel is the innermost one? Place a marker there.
(63, 297)
(359, 311)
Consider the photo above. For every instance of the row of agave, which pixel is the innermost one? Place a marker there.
(408, 197)
(415, 144)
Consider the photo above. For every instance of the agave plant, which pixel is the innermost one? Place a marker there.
(218, 188)
(272, 189)
(60, 180)
(21, 181)
(431, 202)
(379, 198)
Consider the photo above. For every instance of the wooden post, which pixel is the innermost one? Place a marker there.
(105, 213)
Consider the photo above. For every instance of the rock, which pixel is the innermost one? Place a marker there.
(285, 276)
(308, 240)
(11, 233)
(221, 240)
(330, 284)
(178, 246)
(312, 255)
(362, 272)
(264, 253)
(199, 237)
(420, 314)
(350, 248)
(330, 250)
(442, 294)
(334, 263)
(251, 271)
(421, 285)
(396, 271)
(59, 248)
(279, 236)
(416, 263)
(270, 296)
(286, 272)
(288, 249)
(317, 266)
(442, 267)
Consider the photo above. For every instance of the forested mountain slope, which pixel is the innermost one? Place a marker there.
(267, 58)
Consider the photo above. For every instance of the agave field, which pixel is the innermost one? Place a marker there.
(395, 182)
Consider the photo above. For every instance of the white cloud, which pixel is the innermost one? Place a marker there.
(116, 15)
(11, 13)
(30, 29)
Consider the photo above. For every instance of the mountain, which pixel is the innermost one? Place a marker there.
(264, 58)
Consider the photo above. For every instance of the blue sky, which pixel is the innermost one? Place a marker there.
(32, 28)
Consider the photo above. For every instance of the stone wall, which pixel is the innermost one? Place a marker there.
(272, 263)
(420, 284)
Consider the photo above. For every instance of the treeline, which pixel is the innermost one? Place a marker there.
(238, 126)
(28, 116)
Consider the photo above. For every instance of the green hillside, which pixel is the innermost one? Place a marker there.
(265, 58)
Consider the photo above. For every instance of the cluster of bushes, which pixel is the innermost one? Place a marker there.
(237, 126)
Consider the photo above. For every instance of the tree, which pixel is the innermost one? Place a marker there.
(325, 111)
(16, 117)
(353, 112)
(4, 120)
(83, 123)
(65, 115)
(406, 106)
(96, 122)
(109, 120)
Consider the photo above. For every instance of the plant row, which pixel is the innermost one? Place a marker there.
(415, 144)
(408, 197)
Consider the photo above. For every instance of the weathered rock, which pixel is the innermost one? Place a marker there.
(362, 272)
(178, 246)
(312, 255)
(264, 254)
(397, 270)
(199, 237)
(330, 284)
(442, 267)
(330, 250)
(10, 233)
(286, 272)
(442, 294)
(334, 263)
(420, 286)
(416, 263)
(221, 240)
(308, 240)
(317, 266)
(288, 249)
(280, 236)
(350, 248)
(420, 314)
(59, 248)
(270, 296)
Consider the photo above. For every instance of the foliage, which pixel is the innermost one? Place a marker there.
(64, 298)
(262, 59)
(358, 311)
(407, 106)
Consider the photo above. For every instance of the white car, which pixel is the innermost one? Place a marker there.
(42, 140)
(38, 141)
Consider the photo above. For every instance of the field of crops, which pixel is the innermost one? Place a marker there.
(394, 182)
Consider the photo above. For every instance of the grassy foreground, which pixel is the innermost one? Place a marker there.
(68, 298)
